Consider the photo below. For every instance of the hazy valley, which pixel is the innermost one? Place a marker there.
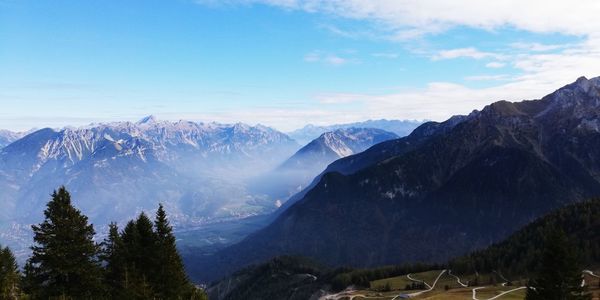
(299, 150)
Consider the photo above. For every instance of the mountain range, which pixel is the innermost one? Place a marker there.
(446, 189)
(202, 172)
(7, 137)
(310, 132)
(115, 170)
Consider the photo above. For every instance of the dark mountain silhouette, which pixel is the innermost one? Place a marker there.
(445, 190)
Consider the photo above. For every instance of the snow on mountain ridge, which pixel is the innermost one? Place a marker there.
(336, 143)
(310, 132)
(116, 169)
(7, 137)
(163, 137)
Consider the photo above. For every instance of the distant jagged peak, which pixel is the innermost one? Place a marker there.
(264, 127)
(150, 119)
(583, 84)
(577, 99)
(347, 141)
(241, 126)
(586, 84)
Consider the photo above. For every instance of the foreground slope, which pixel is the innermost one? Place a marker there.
(452, 191)
(502, 267)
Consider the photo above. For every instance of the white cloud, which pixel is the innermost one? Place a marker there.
(326, 58)
(432, 16)
(537, 47)
(488, 77)
(335, 60)
(541, 74)
(385, 55)
(465, 52)
(495, 65)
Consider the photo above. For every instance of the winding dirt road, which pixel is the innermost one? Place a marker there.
(497, 296)
(457, 279)
(431, 287)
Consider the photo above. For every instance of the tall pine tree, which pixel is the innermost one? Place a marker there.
(559, 273)
(115, 274)
(9, 275)
(139, 252)
(172, 281)
(64, 263)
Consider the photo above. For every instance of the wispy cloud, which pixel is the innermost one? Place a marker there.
(469, 52)
(540, 74)
(537, 47)
(411, 17)
(495, 65)
(540, 68)
(385, 55)
(327, 58)
(488, 77)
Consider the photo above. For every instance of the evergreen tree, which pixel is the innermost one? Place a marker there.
(146, 258)
(64, 263)
(30, 281)
(9, 275)
(115, 269)
(139, 242)
(172, 281)
(559, 273)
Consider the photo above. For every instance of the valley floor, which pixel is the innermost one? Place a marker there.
(444, 285)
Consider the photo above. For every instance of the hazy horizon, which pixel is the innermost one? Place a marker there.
(159, 119)
(283, 64)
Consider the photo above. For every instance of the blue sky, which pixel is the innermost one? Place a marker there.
(281, 63)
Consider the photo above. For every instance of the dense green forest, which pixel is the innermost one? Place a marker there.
(520, 254)
(138, 262)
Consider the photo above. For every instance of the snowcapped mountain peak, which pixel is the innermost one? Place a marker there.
(151, 119)
(311, 132)
(348, 141)
(241, 127)
(7, 137)
(144, 162)
(336, 144)
(582, 85)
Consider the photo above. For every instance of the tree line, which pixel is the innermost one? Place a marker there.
(138, 262)
(551, 252)
(520, 254)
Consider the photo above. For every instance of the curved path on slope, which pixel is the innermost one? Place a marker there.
(502, 277)
(457, 279)
(431, 287)
(497, 296)
(345, 295)
(590, 273)
(418, 280)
